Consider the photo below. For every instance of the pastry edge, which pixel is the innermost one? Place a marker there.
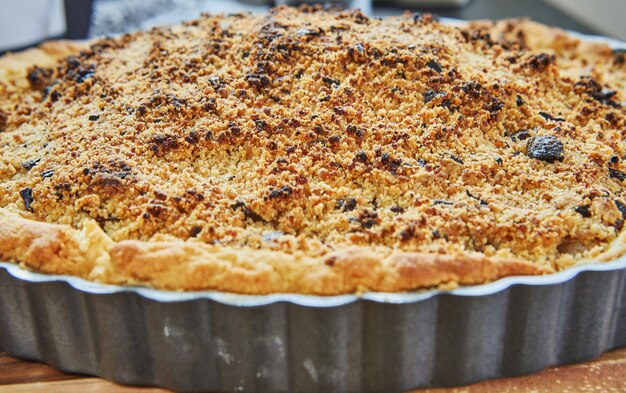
(186, 265)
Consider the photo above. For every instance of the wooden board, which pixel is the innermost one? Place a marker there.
(606, 374)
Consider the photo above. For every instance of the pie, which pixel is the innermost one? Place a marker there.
(313, 151)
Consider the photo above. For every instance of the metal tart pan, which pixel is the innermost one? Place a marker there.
(376, 342)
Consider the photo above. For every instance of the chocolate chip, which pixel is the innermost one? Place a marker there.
(195, 231)
(252, 215)
(499, 160)
(435, 66)
(361, 156)
(548, 116)
(257, 80)
(39, 77)
(397, 209)
(621, 207)
(430, 95)
(84, 74)
(583, 211)
(27, 198)
(47, 173)
(519, 101)
(330, 80)
(615, 174)
(540, 61)
(94, 117)
(456, 159)
(421, 162)
(495, 105)
(614, 160)
(281, 192)
(347, 204)
(440, 202)
(237, 205)
(30, 164)
(73, 62)
(545, 148)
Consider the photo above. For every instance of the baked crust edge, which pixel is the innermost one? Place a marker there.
(187, 265)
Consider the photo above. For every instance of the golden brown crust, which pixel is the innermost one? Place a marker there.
(90, 254)
(311, 152)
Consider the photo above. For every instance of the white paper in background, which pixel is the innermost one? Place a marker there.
(26, 22)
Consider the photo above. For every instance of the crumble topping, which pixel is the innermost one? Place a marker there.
(308, 130)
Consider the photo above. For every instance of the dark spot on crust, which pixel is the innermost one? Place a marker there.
(583, 210)
(397, 209)
(252, 215)
(621, 207)
(284, 191)
(519, 101)
(430, 95)
(39, 77)
(440, 202)
(482, 202)
(259, 81)
(472, 88)
(540, 61)
(30, 164)
(192, 138)
(368, 219)
(495, 105)
(361, 156)
(27, 198)
(593, 89)
(4, 119)
(356, 48)
(161, 143)
(347, 204)
(548, 116)
(456, 159)
(545, 148)
(435, 66)
(195, 231)
(615, 174)
(248, 213)
(330, 81)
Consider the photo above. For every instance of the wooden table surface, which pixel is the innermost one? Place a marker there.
(606, 374)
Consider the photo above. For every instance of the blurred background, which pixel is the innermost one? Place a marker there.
(28, 22)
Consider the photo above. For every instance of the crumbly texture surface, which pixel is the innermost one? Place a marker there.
(315, 152)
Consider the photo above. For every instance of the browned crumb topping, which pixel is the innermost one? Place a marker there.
(309, 130)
